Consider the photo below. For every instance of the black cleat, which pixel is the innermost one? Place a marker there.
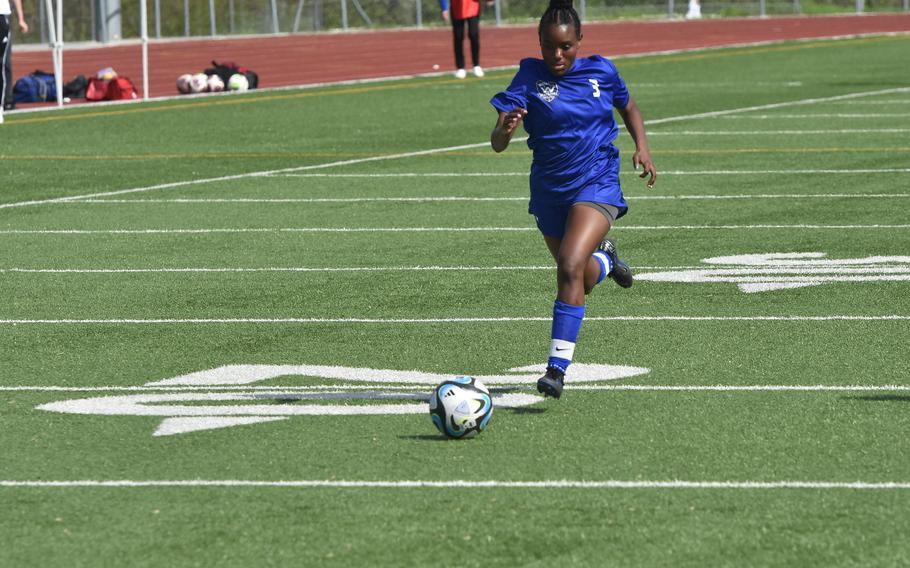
(551, 383)
(621, 273)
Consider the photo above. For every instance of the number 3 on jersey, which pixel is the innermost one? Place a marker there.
(596, 87)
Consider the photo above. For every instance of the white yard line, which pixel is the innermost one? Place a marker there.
(451, 198)
(820, 115)
(295, 269)
(247, 175)
(383, 387)
(662, 172)
(457, 484)
(278, 230)
(506, 319)
(884, 102)
(778, 132)
(782, 270)
(672, 119)
(812, 101)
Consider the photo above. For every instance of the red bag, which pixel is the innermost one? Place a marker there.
(121, 88)
(96, 89)
(117, 89)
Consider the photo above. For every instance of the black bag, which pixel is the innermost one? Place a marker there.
(227, 68)
(75, 89)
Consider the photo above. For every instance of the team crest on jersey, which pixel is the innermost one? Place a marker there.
(547, 90)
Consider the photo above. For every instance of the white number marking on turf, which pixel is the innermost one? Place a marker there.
(183, 418)
(779, 271)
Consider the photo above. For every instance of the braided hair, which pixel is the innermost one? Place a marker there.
(561, 13)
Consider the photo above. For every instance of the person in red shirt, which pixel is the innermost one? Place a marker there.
(464, 11)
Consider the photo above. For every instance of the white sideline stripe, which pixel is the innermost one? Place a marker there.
(421, 229)
(199, 321)
(367, 387)
(431, 151)
(458, 484)
(521, 199)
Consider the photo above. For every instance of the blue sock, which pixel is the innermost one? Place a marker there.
(566, 325)
(606, 265)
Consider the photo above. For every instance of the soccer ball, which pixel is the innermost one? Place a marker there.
(238, 82)
(183, 83)
(216, 85)
(461, 407)
(199, 83)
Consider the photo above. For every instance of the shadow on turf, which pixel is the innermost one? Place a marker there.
(882, 398)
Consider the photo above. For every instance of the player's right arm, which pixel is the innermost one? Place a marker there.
(505, 128)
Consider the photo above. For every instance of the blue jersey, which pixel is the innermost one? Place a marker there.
(571, 129)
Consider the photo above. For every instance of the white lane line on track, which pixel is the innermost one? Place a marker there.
(457, 484)
(506, 319)
(279, 230)
(430, 199)
(367, 387)
(672, 119)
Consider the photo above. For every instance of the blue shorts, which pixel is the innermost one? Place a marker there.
(551, 217)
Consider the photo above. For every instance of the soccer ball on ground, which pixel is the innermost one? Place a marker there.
(199, 83)
(183, 83)
(216, 85)
(238, 82)
(461, 407)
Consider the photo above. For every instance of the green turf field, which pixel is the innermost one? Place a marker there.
(209, 305)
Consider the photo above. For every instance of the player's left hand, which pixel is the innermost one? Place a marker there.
(643, 158)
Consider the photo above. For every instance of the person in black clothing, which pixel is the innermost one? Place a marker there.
(6, 76)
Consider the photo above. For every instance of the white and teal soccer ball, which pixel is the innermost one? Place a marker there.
(238, 82)
(461, 407)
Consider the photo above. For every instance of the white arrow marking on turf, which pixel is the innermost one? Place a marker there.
(171, 426)
(182, 418)
(247, 374)
(779, 271)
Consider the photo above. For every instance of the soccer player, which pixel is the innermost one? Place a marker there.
(566, 105)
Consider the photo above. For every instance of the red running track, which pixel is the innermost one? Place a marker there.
(287, 60)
